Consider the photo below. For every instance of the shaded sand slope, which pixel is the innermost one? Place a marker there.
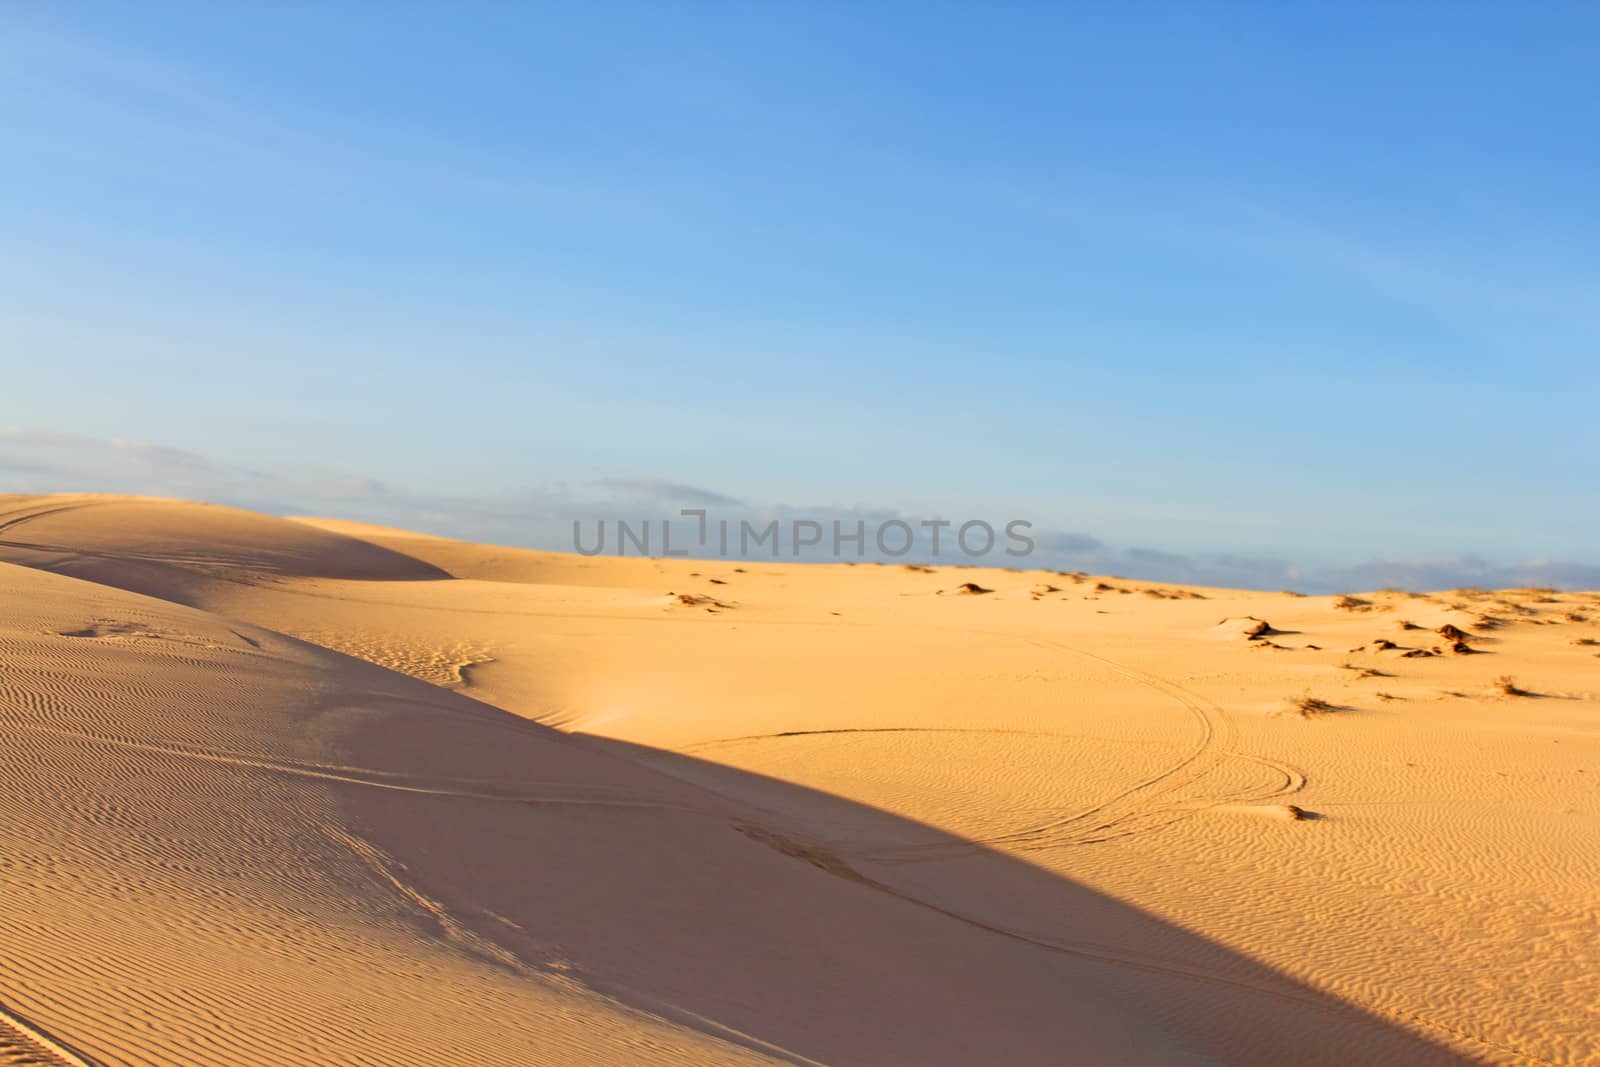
(186, 879)
(173, 549)
(463, 559)
(881, 822)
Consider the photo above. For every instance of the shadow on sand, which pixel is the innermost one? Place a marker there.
(754, 911)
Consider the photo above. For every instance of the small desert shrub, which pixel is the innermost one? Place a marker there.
(1585, 641)
(1364, 672)
(1507, 686)
(1306, 705)
(1346, 602)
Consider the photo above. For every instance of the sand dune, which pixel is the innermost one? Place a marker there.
(313, 792)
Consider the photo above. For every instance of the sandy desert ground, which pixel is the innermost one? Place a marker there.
(306, 792)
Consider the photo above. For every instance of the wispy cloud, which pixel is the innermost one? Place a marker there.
(34, 461)
(673, 492)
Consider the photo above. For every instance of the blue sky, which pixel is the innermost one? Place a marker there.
(1315, 281)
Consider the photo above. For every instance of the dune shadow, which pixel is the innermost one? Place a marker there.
(1206, 992)
(179, 553)
(769, 917)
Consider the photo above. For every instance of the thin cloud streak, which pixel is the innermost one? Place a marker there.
(34, 461)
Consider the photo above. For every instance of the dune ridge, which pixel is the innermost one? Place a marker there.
(310, 791)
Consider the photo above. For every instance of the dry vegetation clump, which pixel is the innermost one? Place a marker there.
(918, 568)
(696, 600)
(1575, 616)
(1585, 641)
(971, 589)
(1507, 686)
(1364, 672)
(1290, 592)
(1250, 627)
(1346, 602)
(1385, 697)
(1307, 706)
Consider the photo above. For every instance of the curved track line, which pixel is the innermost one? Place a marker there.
(358, 776)
(26, 1045)
(721, 741)
(1137, 808)
(28, 514)
(1133, 809)
(833, 864)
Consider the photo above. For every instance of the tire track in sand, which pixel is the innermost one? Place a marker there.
(1147, 805)
(23, 1044)
(557, 795)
